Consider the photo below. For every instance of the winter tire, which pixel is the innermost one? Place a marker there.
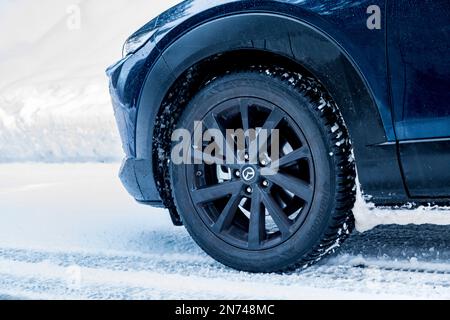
(269, 223)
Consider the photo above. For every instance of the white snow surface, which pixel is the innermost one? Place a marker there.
(70, 231)
(54, 101)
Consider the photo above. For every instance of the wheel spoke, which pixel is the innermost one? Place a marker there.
(277, 214)
(273, 120)
(228, 213)
(298, 187)
(244, 106)
(271, 123)
(294, 156)
(211, 123)
(208, 194)
(257, 227)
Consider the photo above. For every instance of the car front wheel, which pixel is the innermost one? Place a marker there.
(255, 219)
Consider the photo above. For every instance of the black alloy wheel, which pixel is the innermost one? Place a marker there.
(237, 201)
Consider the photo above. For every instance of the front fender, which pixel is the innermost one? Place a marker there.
(369, 123)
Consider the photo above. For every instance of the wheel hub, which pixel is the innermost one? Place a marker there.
(249, 174)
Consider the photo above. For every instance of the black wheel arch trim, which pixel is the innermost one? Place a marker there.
(378, 166)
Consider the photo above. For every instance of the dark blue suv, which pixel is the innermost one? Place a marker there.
(344, 84)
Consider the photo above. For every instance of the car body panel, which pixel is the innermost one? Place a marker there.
(314, 51)
(419, 66)
(419, 46)
(330, 39)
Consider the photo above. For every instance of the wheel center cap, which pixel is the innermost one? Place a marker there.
(249, 174)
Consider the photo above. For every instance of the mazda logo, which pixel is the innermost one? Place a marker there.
(248, 174)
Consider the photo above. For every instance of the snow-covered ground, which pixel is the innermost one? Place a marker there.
(70, 231)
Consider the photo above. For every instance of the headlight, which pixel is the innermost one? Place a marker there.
(136, 42)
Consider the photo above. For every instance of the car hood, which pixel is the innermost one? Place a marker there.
(177, 14)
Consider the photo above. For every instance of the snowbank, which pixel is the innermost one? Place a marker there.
(368, 216)
(54, 102)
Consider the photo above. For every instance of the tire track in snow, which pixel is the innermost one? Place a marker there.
(115, 276)
(45, 236)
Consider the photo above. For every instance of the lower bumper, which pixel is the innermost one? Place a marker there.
(135, 175)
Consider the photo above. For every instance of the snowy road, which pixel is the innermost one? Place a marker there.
(71, 231)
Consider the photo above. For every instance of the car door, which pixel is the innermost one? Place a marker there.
(419, 67)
